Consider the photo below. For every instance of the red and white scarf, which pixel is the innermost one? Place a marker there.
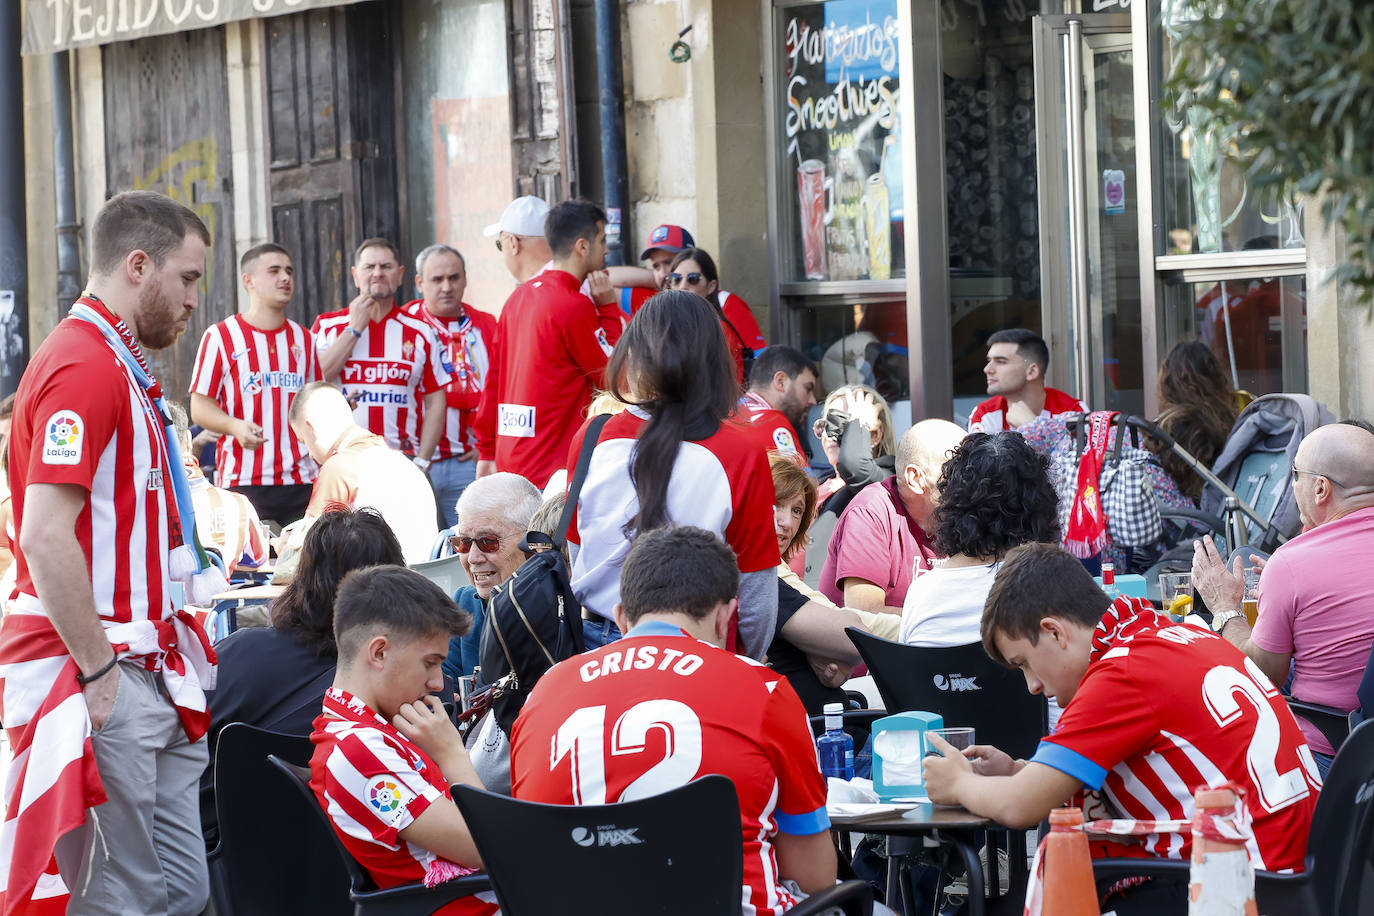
(1087, 533)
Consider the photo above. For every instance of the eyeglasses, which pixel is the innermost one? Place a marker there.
(498, 243)
(486, 543)
(692, 278)
(1298, 472)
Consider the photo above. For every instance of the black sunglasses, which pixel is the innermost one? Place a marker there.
(498, 243)
(486, 544)
(692, 278)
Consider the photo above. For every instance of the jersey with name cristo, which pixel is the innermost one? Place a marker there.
(395, 362)
(254, 375)
(82, 419)
(1167, 709)
(655, 711)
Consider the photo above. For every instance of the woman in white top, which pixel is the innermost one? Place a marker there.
(995, 494)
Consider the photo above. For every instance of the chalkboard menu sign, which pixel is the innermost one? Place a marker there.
(841, 175)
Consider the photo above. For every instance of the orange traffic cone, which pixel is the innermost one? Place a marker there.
(1221, 880)
(1069, 889)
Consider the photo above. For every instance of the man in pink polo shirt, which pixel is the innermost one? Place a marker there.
(1314, 600)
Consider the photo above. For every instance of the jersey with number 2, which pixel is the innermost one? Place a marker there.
(652, 712)
(1177, 708)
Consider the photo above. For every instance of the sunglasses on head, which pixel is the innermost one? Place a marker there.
(486, 544)
(692, 278)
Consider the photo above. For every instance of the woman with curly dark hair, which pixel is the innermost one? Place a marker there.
(995, 494)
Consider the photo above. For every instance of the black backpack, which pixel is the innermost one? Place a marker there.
(534, 621)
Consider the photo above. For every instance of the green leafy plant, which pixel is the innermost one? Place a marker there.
(1290, 83)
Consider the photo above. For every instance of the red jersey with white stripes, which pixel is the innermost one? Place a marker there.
(373, 783)
(395, 362)
(254, 375)
(82, 419)
(553, 353)
(658, 709)
(470, 343)
(1165, 709)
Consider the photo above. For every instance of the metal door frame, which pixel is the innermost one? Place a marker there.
(1057, 136)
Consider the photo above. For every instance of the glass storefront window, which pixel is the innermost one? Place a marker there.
(857, 343)
(1206, 203)
(840, 147)
(991, 181)
(1256, 326)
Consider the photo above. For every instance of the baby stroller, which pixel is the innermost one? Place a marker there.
(1247, 495)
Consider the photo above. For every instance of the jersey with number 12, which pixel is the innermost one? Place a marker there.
(654, 711)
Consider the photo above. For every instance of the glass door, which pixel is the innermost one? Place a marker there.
(1089, 228)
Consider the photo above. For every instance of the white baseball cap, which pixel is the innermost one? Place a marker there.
(524, 216)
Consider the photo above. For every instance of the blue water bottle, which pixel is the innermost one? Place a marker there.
(835, 748)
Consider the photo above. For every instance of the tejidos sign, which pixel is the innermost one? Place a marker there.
(52, 25)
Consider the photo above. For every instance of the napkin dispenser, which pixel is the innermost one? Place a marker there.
(898, 748)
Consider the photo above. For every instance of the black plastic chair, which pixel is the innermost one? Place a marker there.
(1339, 866)
(258, 868)
(1333, 723)
(960, 683)
(675, 853)
(406, 900)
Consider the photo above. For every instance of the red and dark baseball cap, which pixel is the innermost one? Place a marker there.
(668, 238)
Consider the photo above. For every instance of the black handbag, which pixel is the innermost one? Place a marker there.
(534, 621)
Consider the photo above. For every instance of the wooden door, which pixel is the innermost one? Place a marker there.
(331, 138)
(167, 130)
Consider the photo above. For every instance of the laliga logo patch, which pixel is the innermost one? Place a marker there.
(386, 796)
(783, 440)
(62, 438)
(603, 342)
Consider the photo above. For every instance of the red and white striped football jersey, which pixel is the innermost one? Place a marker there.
(658, 709)
(469, 342)
(254, 375)
(1167, 708)
(394, 364)
(81, 418)
(373, 783)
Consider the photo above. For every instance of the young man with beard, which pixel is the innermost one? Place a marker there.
(102, 669)
(782, 388)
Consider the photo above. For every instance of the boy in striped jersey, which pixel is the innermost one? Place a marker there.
(248, 370)
(385, 750)
(1152, 711)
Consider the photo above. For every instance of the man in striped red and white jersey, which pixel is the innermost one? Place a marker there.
(782, 388)
(102, 672)
(248, 369)
(468, 335)
(1152, 711)
(390, 362)
(385, 750)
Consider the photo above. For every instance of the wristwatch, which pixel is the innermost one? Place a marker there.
(1221, 618)
(421, 463)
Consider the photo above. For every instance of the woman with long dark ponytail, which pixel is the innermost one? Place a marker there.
(674, 457)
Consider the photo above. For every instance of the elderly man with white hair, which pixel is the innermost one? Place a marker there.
(494, 513)
(358, 468)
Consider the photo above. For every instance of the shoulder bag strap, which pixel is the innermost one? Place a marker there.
(584, 460)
